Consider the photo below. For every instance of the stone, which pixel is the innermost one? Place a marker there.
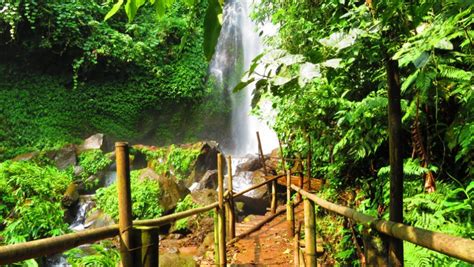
(252, 164)
(65, 157)
(171, 192)
(176, 260)
(26, 156)
(209, 180)
(207, 160)
(204, 197)
(95, 141)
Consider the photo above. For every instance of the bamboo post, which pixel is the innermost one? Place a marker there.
(125, 203)
(290, 212)
(308, 166)
(230, 203)
(221, 212)
(296, 246)
(309, 232)
(216, 237)
(395, 246)
(298, 196)
(150, 246)
(262, 157)
(273, 203)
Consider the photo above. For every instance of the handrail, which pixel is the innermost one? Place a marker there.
(52, 245)
(453, 246)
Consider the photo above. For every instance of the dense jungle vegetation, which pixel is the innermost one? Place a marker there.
(66, 73)
(325, 74)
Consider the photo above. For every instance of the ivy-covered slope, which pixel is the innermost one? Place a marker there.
(66, 73)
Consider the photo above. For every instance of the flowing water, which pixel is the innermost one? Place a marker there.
(238, 45)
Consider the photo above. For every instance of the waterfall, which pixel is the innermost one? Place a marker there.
(238, 45)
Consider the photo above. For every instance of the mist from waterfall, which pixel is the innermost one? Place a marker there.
(239, 43)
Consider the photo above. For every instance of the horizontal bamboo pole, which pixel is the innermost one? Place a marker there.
(175, 216)
(457, 247)
(48, 246)
(52, 245)
(258, 185)
(256, 227)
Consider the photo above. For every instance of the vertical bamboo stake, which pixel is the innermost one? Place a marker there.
(150, 245)
(230, 203)
(262, 157)
(296, 246)
(309, 233)
(273, 203)
(125, 203)
(299, 197)
(290, 212)
(216, 237)
(221, 212)
(308, 166)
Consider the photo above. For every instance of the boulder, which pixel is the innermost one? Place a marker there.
(273, 160)
(253, 163)
(95, 141)
(207, 160)
(26, 156)
(171, 192)
(177, 260)
(204, 197)
(65, 157)
(71, 196)
(209, 180)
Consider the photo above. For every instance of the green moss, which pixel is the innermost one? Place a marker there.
(145, 195)
(30, 205)
(173, 160)
(186, 203)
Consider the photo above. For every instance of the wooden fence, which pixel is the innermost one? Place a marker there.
(139, 239)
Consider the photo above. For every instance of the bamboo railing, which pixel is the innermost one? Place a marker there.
(139, 239)
(457, 247)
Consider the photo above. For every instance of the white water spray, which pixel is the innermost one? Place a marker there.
(238, 45)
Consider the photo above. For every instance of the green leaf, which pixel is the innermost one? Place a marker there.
(114, 10)
(242, 85)
(212, 27)
(409, 80)
(131, 8)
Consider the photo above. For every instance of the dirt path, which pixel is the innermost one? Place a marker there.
(269, 246)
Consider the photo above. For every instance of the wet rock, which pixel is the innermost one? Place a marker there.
(273, 160)
(171, 192)
(65, 157)
(252, 164)
(209, 180)
(95, 141)
(26, 156)
(176, 260)
(71, 196)
(207, 160)
(204, 197)
(77, 170)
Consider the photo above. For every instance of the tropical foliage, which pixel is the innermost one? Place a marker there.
(325, 73)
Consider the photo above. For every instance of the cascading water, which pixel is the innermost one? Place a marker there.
(238, 45)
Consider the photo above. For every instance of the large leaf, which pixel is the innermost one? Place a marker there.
(114, 10)
(212, 27)
(243, 84)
